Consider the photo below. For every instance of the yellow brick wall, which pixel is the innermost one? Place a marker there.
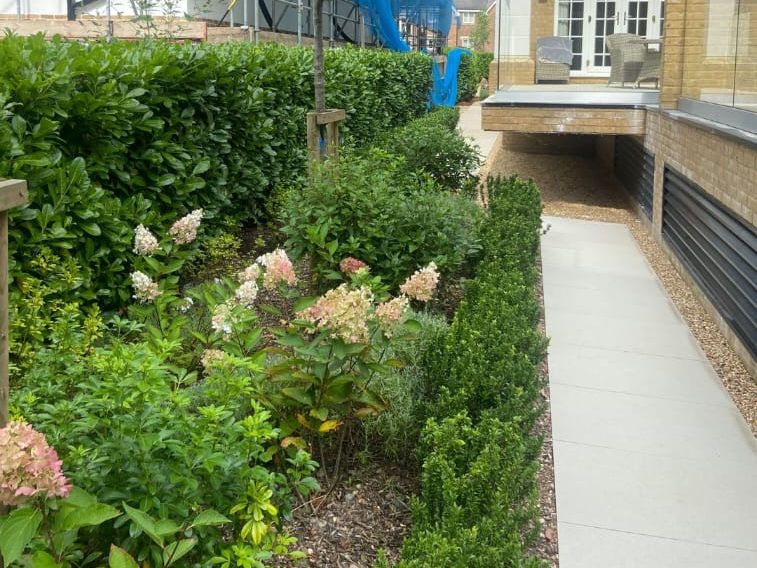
(721, 166)
(542, 22)
(563, 120)
(512, 71)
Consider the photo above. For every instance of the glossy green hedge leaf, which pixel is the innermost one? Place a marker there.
(177, 550)
(144, 522)
(42, 559)
(119, 558)
(209, 517)
(89, 515)
(16, 531)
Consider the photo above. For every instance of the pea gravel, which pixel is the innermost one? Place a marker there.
(576, 187)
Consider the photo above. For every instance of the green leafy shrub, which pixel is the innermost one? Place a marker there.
(441, 152)
(478, 504)
(448, 117)
(111, 135)
(472, 69)
(395, 432)
(370, 208)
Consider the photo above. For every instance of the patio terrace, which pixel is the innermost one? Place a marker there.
(568, 109)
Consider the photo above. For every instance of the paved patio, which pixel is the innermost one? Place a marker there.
(654, 465)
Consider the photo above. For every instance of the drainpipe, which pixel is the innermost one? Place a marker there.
(18, 10)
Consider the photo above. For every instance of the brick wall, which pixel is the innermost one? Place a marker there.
(723, 168)
(542, 21)
(563, 120)
(720, 165)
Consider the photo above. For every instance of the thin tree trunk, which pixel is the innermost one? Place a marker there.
(319, 81)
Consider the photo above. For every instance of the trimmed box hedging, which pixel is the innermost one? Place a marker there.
(110, 135)
(478, 506)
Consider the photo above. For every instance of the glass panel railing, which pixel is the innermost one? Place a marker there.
(745, 68)
(720, 52)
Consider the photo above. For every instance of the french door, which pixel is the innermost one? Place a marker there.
(588, 23)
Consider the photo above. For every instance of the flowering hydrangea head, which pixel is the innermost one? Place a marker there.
(343, 313)
(250, 274)
(145, 242)
(278, 269)
(422, 284)
(351, 265)
(223, 319)
(184, 231)
(186, 305)
(391, 314)
(28, 466)
(212, 358)
(246, 293)
(145, 290)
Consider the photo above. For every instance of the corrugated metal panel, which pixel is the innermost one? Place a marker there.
(718, 248)
(634, 167)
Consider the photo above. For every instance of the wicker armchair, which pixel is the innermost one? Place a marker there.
(627, 56)
(553, 57)
(650, 69)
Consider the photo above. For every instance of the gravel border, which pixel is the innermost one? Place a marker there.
(576, 187)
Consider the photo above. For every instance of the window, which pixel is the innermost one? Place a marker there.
(466, 42)
(469, 17)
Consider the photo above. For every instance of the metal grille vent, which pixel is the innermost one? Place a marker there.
(634, 167)
(718, 249)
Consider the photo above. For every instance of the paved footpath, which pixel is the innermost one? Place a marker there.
(470, 127)
(654, 466)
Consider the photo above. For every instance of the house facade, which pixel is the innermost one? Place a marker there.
(687, 152)
(469, 13)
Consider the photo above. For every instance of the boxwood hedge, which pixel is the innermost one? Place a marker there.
(477, 507)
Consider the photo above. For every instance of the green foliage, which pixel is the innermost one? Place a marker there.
(111, 135)
(447, 117)
(472, 70)
(480, 34)
(442, 153)
(370, 208)
(478, 505)
(395, 432)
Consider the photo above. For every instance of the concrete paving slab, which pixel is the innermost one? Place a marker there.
(600, 257)
(470, 127)
(622, 334)
(654, 466)
(591, 547)
(652, 425)
(641, 303)
(636, 373)
(622, 285)
(706, 501)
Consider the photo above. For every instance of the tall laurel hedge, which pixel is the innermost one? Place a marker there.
(110, 135)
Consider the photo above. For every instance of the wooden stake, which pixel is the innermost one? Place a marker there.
(12, 194)
(331, 119)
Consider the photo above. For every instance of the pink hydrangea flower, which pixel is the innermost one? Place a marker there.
(278, 269)
(145, 242)
(145, 290)
(247, 293)
(184, 231)
(343, 312)
(422, 284)
(250, 274)
(28, 466)
(390, 314)
(223, 319)
(211, 358)
(350, 265)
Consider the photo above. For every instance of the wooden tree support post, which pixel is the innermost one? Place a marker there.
(316, 121)
(12, 194)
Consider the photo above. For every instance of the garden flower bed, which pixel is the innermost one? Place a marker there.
(224, 403)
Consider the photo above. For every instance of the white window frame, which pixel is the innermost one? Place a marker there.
(468, 18)
(466, 42)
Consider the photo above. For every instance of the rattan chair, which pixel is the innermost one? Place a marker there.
(626, 58)
(650, 69)
(547, 69)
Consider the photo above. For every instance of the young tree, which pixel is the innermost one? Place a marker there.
(480, 34)
(319, 82)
